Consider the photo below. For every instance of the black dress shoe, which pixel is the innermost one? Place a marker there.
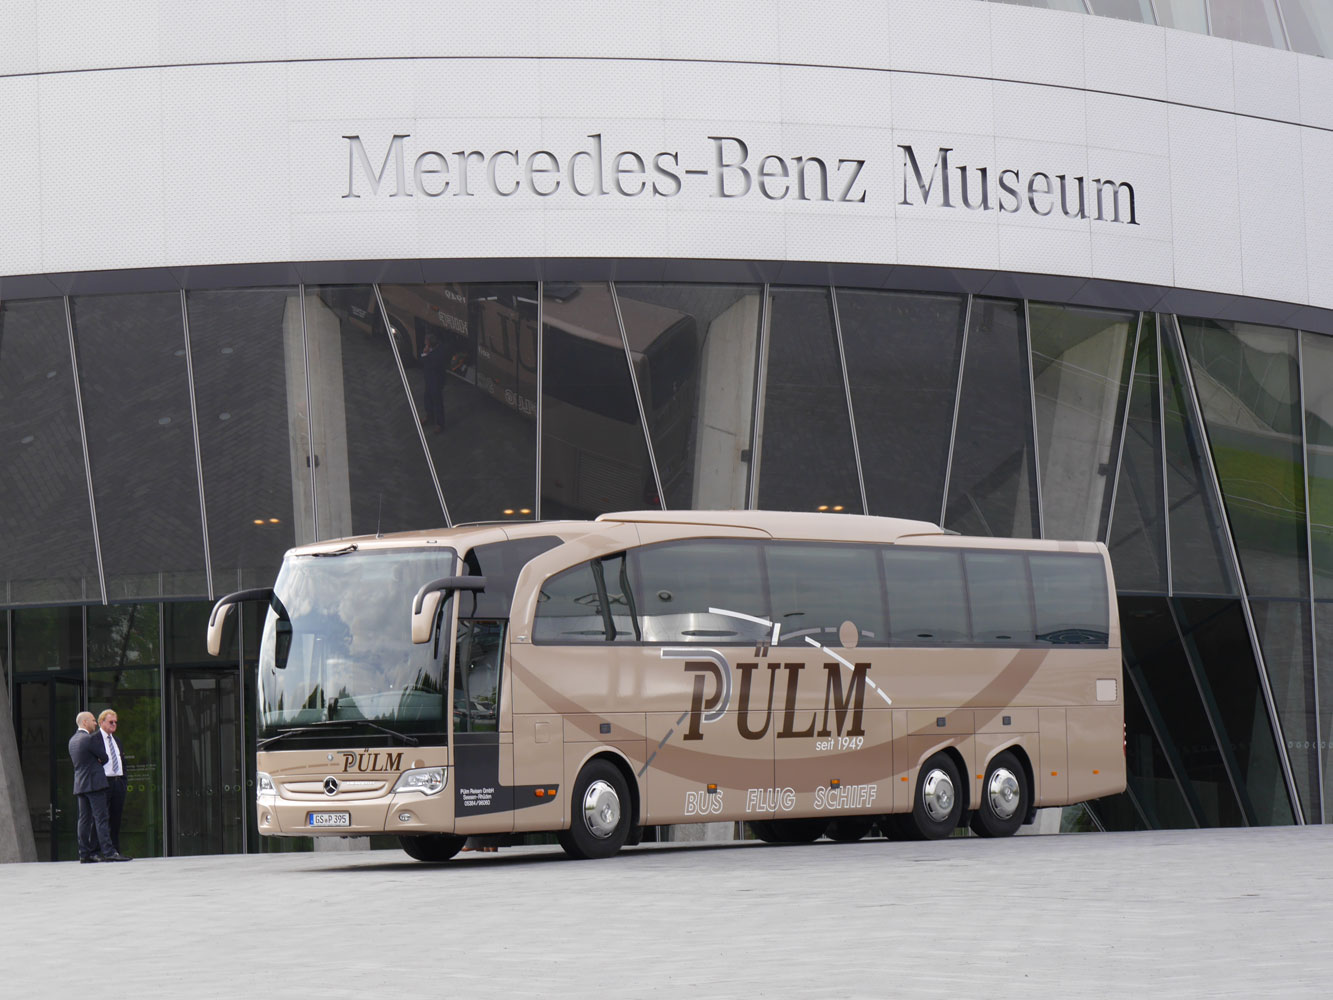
(91, 859)
(114, 857)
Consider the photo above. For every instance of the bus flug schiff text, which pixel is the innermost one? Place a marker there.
(808, 674)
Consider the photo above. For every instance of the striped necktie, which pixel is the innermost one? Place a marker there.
(115, 757)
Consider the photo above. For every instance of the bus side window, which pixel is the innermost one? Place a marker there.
(569, 609)
(998, 594)
(1070, 594)
(814, 588)
(927, 601)
(675, 584)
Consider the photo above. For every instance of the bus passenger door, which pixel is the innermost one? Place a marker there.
(483, 767)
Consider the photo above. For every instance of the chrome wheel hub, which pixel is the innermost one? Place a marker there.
(601, 809)
(937, 795)
(1002, 792)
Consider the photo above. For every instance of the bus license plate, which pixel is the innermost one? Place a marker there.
(329, 819)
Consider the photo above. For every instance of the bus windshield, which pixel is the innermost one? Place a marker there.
(337, 645)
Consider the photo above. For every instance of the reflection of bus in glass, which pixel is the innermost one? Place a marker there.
(593, 443)
(809, 674)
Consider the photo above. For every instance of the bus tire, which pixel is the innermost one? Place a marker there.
(1005, 798)
(937, 806)
(600, 817)
(846, 829)
(433, 847)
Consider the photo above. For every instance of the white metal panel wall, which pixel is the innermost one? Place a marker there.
(167, 134)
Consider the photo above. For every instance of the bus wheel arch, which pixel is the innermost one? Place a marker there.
(603, 808)
(1006, 795)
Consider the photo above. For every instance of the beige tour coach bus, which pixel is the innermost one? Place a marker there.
(809, 674)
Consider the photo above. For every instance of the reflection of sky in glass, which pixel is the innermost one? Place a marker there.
(351, 636)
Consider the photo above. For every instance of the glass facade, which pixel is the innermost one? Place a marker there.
(164, 448)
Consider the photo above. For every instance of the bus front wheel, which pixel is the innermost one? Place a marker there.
(432, 846)
(1004, 798)
(938, 804)
(601, 816)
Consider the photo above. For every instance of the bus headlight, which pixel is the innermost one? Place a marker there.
(427, 780)
(263, 784)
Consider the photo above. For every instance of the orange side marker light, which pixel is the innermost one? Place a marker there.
(539, 792)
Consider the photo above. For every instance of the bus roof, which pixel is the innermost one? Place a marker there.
(789, 524)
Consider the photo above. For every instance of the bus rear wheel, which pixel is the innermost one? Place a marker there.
(601, 817)
(435, 847)
(938, 804)
(1004, 798)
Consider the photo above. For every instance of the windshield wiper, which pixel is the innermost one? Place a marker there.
(411, 741)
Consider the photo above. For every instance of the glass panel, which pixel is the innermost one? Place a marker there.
(676, 584)
(207, 797)
(123, 675)
(594, 455)
(470, 352)
(1069, 592)
(4, 651)
(500, 563)
(902, 364)
(49, 640)
(1317, 362)
(999, 596)
(992, 485)
(806, 456)
(371, 474)
(1162, 673)
(1309, 26)
(44, 712)
(1283, 628)
(815, 588)
(1151, 779)
(1247, 21)
(136, 404)
(1188, 15)
(1323, 622)
(1249, 391)
(46, 529)
(926, 597)
(1080, 373)
(1216, 635)
(1138, 528)
(249, 381)
(1125, 10)
(695, 348)
(1198, 564)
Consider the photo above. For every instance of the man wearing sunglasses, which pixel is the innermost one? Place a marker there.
(115, 772)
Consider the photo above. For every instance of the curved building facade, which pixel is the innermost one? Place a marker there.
(273, 273)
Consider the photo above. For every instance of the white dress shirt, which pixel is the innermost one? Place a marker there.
(115, 762)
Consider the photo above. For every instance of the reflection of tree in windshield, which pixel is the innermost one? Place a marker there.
(350, 621)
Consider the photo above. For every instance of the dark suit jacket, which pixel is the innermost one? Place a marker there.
(88, 754)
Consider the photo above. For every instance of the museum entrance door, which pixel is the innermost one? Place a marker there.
(44, 711)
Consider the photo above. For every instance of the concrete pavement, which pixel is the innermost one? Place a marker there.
(1218, 913)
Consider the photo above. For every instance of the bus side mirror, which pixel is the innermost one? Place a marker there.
(222, 609)
(215, 622)
(423, 620)
(427, 602)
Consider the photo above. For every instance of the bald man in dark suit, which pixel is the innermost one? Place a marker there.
(90, 785)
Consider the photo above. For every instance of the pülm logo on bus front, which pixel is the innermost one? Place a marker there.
(372, 761)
